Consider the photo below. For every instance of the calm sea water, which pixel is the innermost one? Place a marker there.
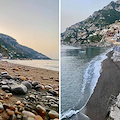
(79, 74)
(46, 64)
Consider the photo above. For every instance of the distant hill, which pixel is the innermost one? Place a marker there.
(81, 31)
(10, 47)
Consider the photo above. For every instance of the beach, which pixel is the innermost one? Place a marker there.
(42, 92)
(108, 84)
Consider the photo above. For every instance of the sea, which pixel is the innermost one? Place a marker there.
(80, 70)
(45, 64)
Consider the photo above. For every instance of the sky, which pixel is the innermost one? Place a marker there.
(74, 11)
(33, 23)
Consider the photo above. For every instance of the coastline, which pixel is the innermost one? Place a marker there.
(108, 84)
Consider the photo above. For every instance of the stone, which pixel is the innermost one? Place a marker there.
(50, 97)
(47, 87)
(18, 102)
(32, 97)
(6, 76)
(53, 114)
(5, 87)
(22, 78)
(38, 117)
(1, 107)
(9, 112)
(16, 69)
(24, 117)
(38, 87)
(41, 110)
(53, 92)
(19, 89)
(4, 73)
(34, 83)
(27, 84)
(28, 114)
(30, 118)
(13, 117)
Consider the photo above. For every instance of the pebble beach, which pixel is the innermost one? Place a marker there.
(28, 93)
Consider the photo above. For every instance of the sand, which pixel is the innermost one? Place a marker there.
(44, 76)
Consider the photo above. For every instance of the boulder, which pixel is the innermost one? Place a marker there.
(19, 89)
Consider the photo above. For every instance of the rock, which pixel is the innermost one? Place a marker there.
(32, 97)
(50, 97)
(9, 112)
(28, 114)
(27, 84)
(38, 87)
(24, 117)
(5, 87)
(18, 102)
(38, 117)
(34, 83)
(6, 76)
(22, 78)
(19, 89)
(16, 69)
(53, 114)
(1, 107)
(4, 73)
(13, 117)
(41, 110)
(47, 87)
(30, 118)
(53, 92)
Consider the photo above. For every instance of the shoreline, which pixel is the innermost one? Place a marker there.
(107, 85)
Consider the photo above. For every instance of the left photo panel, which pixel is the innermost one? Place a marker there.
(29, 60)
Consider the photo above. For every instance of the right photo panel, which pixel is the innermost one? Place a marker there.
(90, 60)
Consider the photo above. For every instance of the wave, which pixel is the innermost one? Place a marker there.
(91, 75)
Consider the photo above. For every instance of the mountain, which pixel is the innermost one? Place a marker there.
(81, 32)
(10, 47)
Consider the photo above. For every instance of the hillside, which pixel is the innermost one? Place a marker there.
(15, 50)
(80, 33)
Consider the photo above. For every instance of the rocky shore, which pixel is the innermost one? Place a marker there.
(28, 93)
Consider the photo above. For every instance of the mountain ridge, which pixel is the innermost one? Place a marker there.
(15, 50)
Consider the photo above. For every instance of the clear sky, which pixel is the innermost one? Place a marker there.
(74, 11)
(33, 23)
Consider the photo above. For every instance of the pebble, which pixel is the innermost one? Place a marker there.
(28, 114)
(1, 107)
(41, 110)
(53, 114)
(38, 117)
